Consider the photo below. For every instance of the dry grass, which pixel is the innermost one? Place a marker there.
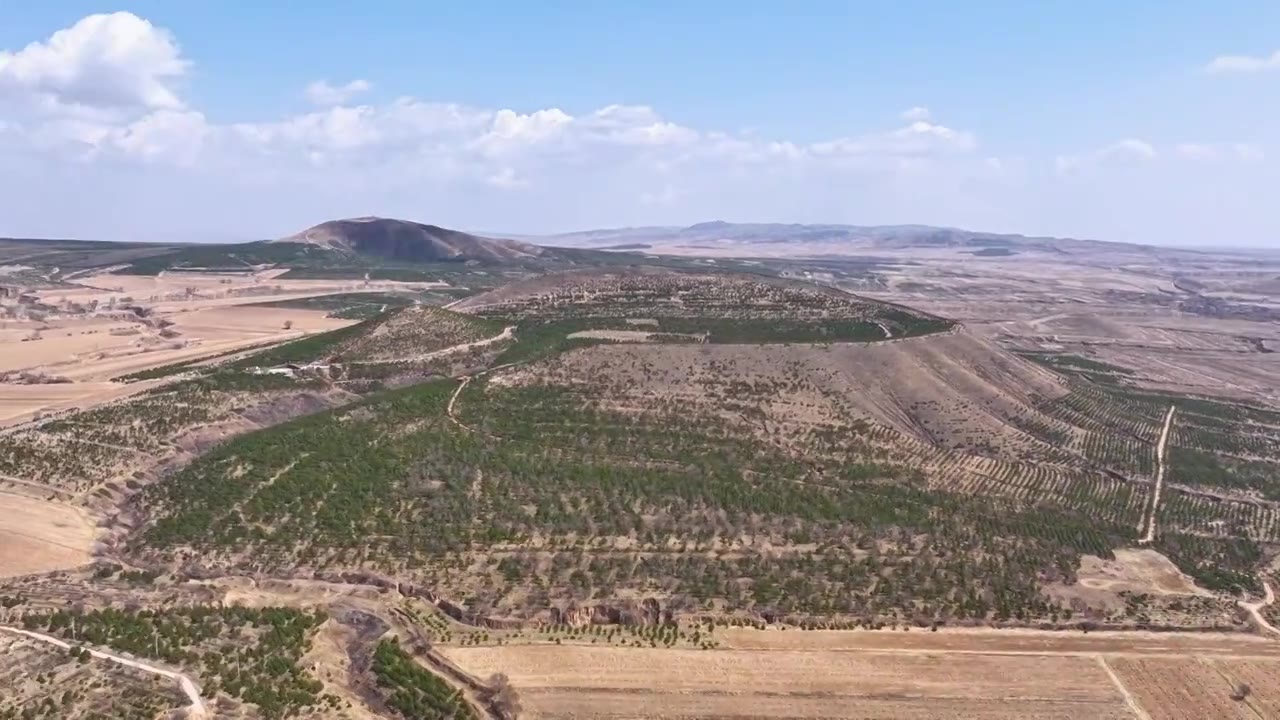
(417, 332)
(953, 391)
(1100, 581)
(585, 682)
(39, 535)
(19, 403)
(1194, 689)
(973, 673)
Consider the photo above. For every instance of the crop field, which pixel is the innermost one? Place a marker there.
(1192, 688)
(596, 682)
(792, 673)
(38, 534)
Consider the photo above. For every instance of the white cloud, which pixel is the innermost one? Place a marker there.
(507, 179)
(918, 138)
(1215, 152)
(1244, 63)
(322, 93)
(1125, 152)
(98, 108)
(103, 62)
(916, 114)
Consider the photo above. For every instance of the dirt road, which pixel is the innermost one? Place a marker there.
(1255, 608)
(1160, 471)
(506, 333)
(196, 704)
(1129, 699)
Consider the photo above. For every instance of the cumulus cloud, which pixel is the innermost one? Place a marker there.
(1244, 63)
(324, 94)
(106, 62)
(98, 106)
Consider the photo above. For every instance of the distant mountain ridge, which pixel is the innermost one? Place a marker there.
(407, 241)
(827, 238)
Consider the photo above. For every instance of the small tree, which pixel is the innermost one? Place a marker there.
(1241, 692)
(288, 324)
(504, 696)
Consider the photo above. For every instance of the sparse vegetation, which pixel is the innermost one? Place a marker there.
(413, 691)
(247, 654)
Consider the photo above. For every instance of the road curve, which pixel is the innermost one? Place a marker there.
(195, 707)
(1269, 598)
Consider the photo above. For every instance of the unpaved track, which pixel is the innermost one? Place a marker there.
(1129, 699)
(462, 386)
(1255, 608)
(507, 333)
(196, 704)
(453, 399)
(1160, 471)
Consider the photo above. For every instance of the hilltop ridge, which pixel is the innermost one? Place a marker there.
(408, 241)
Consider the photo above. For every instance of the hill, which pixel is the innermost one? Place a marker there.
(405, 241)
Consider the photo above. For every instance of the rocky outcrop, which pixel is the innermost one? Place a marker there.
(645, 612)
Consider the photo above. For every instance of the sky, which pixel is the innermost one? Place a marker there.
(1129, 120)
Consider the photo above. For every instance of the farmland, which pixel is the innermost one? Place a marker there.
(775, 673)
(618, 494)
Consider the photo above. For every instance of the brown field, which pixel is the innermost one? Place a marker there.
(893, 675)
(39, 535)
(19, 402)
(193, 315)
(1192, 688)
(585, 682)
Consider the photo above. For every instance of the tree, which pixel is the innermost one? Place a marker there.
(1241, 692)
(288, 324)
(504, 696)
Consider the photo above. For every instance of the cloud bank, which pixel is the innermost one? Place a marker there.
(100, 142)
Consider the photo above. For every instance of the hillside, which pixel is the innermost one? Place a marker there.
(405, 241)
(723, 427)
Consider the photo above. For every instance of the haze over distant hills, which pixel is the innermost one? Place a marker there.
(820, 239)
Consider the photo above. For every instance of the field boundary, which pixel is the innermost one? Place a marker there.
(1129, 699)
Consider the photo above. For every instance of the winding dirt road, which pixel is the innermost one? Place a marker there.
(1254, 609)
(507, 332)
(1160, 469)
(195, 707)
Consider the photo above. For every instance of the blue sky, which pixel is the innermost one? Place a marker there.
(193, 120)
